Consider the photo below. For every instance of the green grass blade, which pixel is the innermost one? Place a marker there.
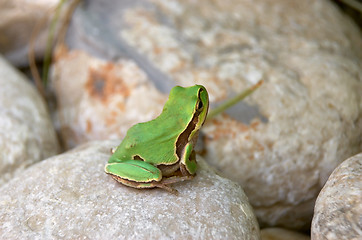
(233, 100)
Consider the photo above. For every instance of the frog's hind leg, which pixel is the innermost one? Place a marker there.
(134, 173)
(138, 174)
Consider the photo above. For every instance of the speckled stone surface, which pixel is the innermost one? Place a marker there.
(26, 132)
(338, 210)
(69, 196)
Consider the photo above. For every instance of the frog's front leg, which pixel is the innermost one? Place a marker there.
(188, 163)
(187, 167)
(137, 174)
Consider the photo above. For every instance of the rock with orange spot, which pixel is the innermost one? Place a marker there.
(97, 99)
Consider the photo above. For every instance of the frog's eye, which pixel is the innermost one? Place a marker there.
(200, 106)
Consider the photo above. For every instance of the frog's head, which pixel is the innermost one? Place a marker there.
(202, 105)
(200, 109)
(188, 106)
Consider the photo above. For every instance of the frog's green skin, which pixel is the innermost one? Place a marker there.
(160, 152)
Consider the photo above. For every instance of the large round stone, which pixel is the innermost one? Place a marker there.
(70, 196)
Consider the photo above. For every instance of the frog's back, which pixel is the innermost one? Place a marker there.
(155, 141)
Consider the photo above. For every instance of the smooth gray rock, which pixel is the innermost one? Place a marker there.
(26, 132)
(338, 210)
(69, 196)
